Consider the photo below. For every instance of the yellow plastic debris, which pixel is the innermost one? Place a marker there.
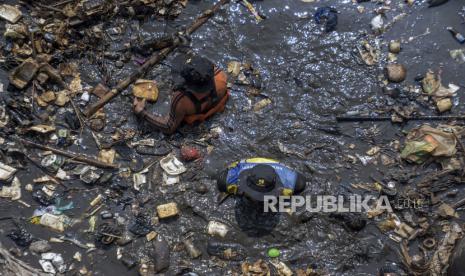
(167, 210)
(444, 105)
(107, 156)
(145, 89)
(261, 104)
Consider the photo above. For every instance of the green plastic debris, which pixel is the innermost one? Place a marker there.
(425, 142)
(417, 151)
(431, 82)
(273, 253)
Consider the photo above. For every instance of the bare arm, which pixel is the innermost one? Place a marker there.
(170, 122)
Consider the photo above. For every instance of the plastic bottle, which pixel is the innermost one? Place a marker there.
(458, 36)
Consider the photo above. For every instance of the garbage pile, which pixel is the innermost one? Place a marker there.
(42, 110)
(405, 100)
(420, 173)
(425, 204)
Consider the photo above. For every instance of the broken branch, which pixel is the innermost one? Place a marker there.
(74, 156)
(386, 118)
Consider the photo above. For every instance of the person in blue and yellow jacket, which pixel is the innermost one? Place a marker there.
(257, 177)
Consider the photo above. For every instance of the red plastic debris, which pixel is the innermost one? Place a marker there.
(189, 153)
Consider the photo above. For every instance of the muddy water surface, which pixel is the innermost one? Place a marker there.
(310, 76)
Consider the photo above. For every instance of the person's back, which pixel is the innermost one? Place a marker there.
(206, 99)
(282, 179)
(201, 94)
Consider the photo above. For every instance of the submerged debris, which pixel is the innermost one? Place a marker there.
(216, 228)
(396, 72)
(394, 46)
(368, 53)
(377, 24)
(434, 3)
(326, 16)
(24, 73)
(40, 247)
(261, 104)
(458, 55)
(426, 141)
(172, 165)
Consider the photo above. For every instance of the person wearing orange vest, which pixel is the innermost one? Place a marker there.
(201, 93)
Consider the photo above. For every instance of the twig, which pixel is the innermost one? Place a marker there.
(427, 179)
(97, 141)
(111, 235)
(252, 10)
(49, 7)
(462, 147)
(63, 3)
(33, 45)
(386, 118)
(73, 241)
(34, 94)
(458, 203)
(88, 215)
(78, 114)
(75, 156)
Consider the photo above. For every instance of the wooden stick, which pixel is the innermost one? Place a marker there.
(50, 8)
(62, 3)
(386, 118)
(75, 156)
(252, 10)
(152, 61)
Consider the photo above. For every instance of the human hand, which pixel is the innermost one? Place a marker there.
(138, 105)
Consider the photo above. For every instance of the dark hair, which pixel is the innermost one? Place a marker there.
(198, 70)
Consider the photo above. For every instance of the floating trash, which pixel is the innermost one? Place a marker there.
(10, 13)
(216, 228)
(171, 165)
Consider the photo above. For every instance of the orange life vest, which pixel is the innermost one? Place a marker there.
(219, 107)
(220, 83)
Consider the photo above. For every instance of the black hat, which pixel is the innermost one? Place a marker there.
(197, 73)
(259, 181)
